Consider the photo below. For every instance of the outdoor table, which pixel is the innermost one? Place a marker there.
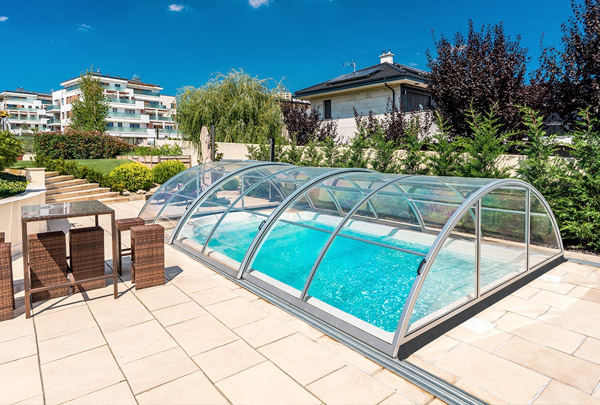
(45, 212)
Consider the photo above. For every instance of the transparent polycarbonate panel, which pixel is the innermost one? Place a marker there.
(292, 244)
(177, 205)
(236, 228)
(452, 278)
(166, 191)
(543, 240)
(208, 211)
(503, 236)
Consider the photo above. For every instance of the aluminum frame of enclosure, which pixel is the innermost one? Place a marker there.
(471, 205)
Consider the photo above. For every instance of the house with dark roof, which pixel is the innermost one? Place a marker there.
(374, 89)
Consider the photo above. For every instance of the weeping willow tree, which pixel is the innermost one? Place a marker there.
(242, 108)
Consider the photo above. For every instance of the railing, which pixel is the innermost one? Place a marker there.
(71, 88)
(53, 121)
(22, 109)
(52, 107)
(160, 118)
(114, 88)
(121, 100)
(146, 92)
(15, 118)
(126, 129)
(155, 106)
(124, 114)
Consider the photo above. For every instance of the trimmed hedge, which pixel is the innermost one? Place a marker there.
(133, 176)
(164, 150)
(79, 145)
(11, 185)
(165, 170)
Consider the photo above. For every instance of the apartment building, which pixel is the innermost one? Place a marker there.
(137, 111)
(26, 111)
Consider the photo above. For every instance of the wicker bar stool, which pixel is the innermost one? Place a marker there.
(7, 292)
(48, 263)
(122, 226)
(86, 247)
(148, 256)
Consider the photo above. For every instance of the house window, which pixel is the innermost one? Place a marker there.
(415, 101)
(120, 124)
(327, 108)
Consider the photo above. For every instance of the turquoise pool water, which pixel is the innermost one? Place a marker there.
(368, 281)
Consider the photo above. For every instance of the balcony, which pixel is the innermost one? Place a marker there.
(146, 92)
(114, 88)
(155, 106)
(160, 118)
(169, 131)
(121, 100)
(123, 115)
(22, 109)
(126, 129)
(53, 107)
(71, 88)
(53, 121)
(30, 118)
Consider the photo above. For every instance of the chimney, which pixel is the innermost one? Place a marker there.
(386, 57)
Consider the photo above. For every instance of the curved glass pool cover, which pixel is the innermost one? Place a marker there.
(382, 258)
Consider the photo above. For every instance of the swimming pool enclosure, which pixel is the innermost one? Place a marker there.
(383, 258)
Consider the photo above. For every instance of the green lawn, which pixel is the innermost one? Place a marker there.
(23, 164)
(102, 165)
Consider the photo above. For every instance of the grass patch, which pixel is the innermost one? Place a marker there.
(104, 166)
(23, 164)
(11, 185)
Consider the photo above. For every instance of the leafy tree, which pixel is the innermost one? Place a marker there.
(486, 145)
(483, 69)
(242, 109)
(301, 123)
(570, 74)
(10, 149)
(445, 161)
(90, 110)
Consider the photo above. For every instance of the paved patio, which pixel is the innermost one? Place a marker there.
(202, 339)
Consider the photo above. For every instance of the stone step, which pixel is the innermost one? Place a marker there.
(114, 200)
(88, 197)
(51, 174)
(56, 179)
(78, 193)
(68, 189)
(66, 183)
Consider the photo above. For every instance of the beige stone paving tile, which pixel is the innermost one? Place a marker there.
(404, 387)
(553, 299)
(179, 313)
(120, 320)
(568, 369)
(437, 401)
(213, 295)
(585, 308)
(559, 393)
(438, 372)
(560, 288)
(273, 310)
(501, 377)
(480, 393)
(52, 324)
(151, 371)
(350, 356)
(201, 334)
(139, 341)
(161, 297)
(193, 283)
(589, 350)
(102, 303)
(16, 328)
(225, 361)
(24, 378)
(396, 399)
(57, 304)
(574, 322)
(118, 394)
(488, 341)
(264, 384)
(301, 358)
(78, 375)
(350, 385)
(521, 306)
(236, 312)
(250, 296)
(304, 328)
(577, 268)
(584, 281)
(525, 292)
(584, 293)
(264, 331)
(17, 348)
(557, 271)
(37, 400)
(436, 349)
(540, 332)
(191, 389)
(67, 345)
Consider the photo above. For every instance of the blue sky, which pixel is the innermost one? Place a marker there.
(182, 42)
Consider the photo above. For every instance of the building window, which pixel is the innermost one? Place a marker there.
(120, 124)
(327, 108)
(110, 124)
(115, 110)
(415, 101)
(134, 125)
(130, 111)
(117, 85)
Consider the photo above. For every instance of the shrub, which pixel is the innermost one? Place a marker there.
(231, 185)
(10, 149)
(11, 185)
(165, 170)
(164, 150)
(133, 176)
(79, 145)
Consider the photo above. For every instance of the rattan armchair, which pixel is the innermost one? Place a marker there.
(148, 256)
(48, 263)
(124, 225)
(7, 293)
(86, 247)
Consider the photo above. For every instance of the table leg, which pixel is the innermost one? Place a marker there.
(114, 251)
(25, 250)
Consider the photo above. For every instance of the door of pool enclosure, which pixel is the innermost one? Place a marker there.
(389, 260)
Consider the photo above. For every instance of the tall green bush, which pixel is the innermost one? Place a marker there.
(165, 170)
(412, 144)
(133, 176)
(445, 159)
(10, 149)
(79, 145)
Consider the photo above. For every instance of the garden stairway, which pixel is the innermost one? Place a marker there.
(62, 188)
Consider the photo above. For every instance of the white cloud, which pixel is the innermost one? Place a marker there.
(3, 18)
(176, 7)
(84, 27)
(258, 3)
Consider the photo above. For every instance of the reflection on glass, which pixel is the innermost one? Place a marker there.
(544, 241)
